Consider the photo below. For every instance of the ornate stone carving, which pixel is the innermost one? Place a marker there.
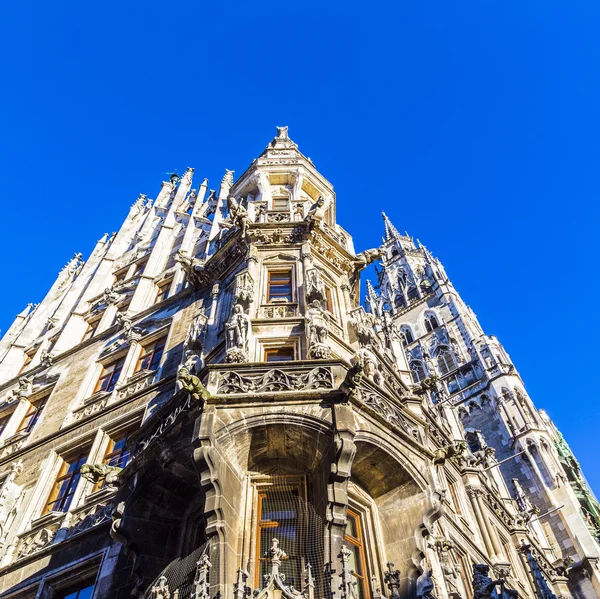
(367, 257)
(194, 338)
(243, 292)
(274, 380)
(351, 384)
(317, 324)
(485, 588)
(95, 473)
(237, 329)
(317, 212)
(238, 215)
(544, 591)
(279, 311)
(35, 542)
(451, 451)
(201, 580)
(392, 580)
(314, 287)
(364, 324)
(85, 518)
(193, 268)
(161, 590)
(46, 359)
(192, 385)
(348, 586)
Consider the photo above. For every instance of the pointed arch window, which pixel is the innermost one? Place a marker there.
(406, 335)
(417, 371)
(446, 360)
(431, 322)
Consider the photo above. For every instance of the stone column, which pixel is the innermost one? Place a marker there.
(474, 496)
(337, 494)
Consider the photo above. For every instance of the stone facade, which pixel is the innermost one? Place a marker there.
(204, 409)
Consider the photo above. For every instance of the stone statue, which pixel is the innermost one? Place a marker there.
(25, 387)
(192, 385)
(194, 337)
(317, 324)
(238, 215)
(94, 473)
(237, 329)
(193, 268)
(485, 588)
(354, 376)
(316, 214)
(371, 365)
(314, 286)
(192, 362)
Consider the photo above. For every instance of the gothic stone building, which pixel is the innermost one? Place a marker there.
(203, 408)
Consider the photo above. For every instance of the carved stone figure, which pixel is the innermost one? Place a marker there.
(314, 286)
(453, 450)
(194, 338)
(238, 215)
(237, 329)
(193, 268)
(94, 473)
(485, 588)
(317, 324)
(371, 365)
(354, 376)
(192, 385)
(367, 257)
(192, 362)
(161, 590)
(25, 387)
(316, 214)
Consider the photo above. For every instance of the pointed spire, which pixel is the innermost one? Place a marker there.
(390, 231)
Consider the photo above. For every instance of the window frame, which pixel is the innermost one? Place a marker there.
(111, 375)
(163, 287)
(34, 415)
(280, 297)
(279, 348)
(154, 342)
(78, 457)
(285, 199)
(359, 543)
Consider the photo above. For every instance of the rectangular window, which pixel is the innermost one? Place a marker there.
(109, 376)
(280, 204)
(139, 269)
(66, 482)
(279, 354)
(280, 517)
(33, 415)
(28, 358)
(163, 292)
(4, 422)
(91, 330)
(279, 285)
(356, 559)
(84, 591)
(328, 300)
(151, 354)
(454, 495)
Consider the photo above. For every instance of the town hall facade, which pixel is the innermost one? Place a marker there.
(205, 408)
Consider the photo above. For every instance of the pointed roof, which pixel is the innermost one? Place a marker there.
(390, 231)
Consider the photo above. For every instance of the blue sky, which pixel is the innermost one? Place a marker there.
(473, 124)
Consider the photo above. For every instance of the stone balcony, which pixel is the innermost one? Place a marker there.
(91, 405)
(13, 444)
(140, 380)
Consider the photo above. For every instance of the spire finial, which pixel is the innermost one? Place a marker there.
(390, 231)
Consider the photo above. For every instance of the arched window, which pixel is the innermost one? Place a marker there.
(446, 360)
(402, 279)
(417, 372)
(406, 335)
(431, 322)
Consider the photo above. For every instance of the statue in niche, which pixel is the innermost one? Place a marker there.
(317, 324)
(194, 338)
(314, 285)
(237, 328)
(371, 365)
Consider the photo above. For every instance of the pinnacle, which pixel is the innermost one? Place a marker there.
(390, 231)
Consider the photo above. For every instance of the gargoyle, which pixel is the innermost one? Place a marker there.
(353, 378)
(94, 473)
(192, 385)
(367, 257)
(451, 451)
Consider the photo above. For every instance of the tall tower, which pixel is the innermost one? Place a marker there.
(202, 408)
(471, 373)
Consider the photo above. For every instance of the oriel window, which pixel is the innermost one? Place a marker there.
(66, 483)
(109, 376)
(354, 542)
(151, 355)
(279, 285)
